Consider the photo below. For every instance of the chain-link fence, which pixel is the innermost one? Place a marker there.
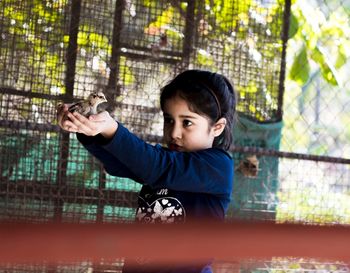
(54, 51)
(291, 140)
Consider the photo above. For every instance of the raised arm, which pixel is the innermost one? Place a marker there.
(111, 164)
(88, 134)
(206, 171)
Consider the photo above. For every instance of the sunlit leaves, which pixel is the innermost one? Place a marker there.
(293, 26)
(149, 3)
(162, 21)
(16, 20)
(57, 4)
(91, 41)
(83, 38)
(205, 58)
(313, 206)
(342, 55)
(125, 72)
(30, 26)
(320, 38)
(166, 24)
(329, 72)
(255, 90)
(251, 30)
(313, 105)
(222, 12)
(45, 15)
(300, 70)
(66, 38)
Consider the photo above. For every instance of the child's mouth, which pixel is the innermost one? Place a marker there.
(174, 147)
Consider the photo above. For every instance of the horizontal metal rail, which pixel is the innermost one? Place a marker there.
(158, 139)
(71, 194)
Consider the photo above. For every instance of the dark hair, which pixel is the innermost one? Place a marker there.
(207, 93)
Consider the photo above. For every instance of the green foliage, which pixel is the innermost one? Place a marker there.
(316, 41)
(313, 206)
(150, 3)
(329, 72)
(315, 86)
(300, 70)
(224, 18)
(250, 29)
(164, 19)
(28, 25)
(293, 26)
(125, 72)
(342, 56)
(40, 35)
(205, 58)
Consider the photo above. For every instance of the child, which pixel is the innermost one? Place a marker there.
(191, 178)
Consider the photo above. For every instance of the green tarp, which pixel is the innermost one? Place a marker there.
(255, 194)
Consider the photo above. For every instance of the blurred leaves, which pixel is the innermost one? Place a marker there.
(41, 39)
(31, 31)
(315, 43)
(316, 85)
(313, 206)
(328, 70)
(342, 56)
(205, 58)
(300, 70)
(125, 72)
(293, 26)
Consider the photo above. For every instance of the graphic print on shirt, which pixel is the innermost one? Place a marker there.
(161, 210)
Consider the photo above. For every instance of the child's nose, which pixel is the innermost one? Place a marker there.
(176, 131)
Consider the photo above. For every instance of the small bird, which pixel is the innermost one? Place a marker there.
(249, 166)
(89, 106)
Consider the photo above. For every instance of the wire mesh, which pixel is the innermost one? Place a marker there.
(316, 96)
(32, 48)
(52, 51)
(57, 51)
(304, 190)
(244, 44)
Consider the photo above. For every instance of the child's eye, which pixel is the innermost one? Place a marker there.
(187, 123)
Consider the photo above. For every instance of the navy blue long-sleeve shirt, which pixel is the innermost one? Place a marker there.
(199, 183)
(177, 186)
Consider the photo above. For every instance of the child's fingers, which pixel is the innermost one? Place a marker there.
(69, 126)
(77, 119)
(61, 111)
(82, 124)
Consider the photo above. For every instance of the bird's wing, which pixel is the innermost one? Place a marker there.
(75, 107)
(81, 107)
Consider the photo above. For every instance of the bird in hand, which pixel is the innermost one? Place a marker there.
(89, 106)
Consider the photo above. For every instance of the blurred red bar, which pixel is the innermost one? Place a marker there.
(32, 243)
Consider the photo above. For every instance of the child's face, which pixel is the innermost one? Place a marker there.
(185, 130)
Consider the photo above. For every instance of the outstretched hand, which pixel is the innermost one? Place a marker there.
(101, 123)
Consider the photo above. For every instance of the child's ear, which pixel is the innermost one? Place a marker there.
(219, 127)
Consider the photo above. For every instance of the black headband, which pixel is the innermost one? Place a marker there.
(211, 91)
